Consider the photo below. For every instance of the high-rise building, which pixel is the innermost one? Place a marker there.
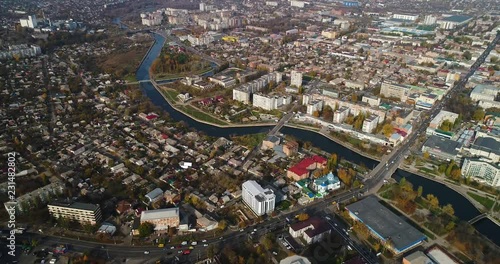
(260, 200)
(430, 20)
(83, 213)
(296, 78)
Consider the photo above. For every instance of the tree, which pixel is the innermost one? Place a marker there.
(222, 225)
(316, 114)
(419, 191)
(433, 201)
(146, 229)
(449, 168)
(34, 242)
(456, 173)
(467, 55)
(426, 155)
(302, 217)
(361, 230)
(327, 113)
(89, 228)
(387, 129)
(478, 114)
(63, 222)
(211, 251)
(450, 226)
(268, 241)
(332, 162)
(344, 176)
(448, 209)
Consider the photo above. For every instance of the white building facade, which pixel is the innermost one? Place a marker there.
(482, 170)
(261, 201)
(296, 78)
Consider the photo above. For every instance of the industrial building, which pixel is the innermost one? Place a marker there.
(385, 225)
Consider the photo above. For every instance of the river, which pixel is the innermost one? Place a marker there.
(463, 208)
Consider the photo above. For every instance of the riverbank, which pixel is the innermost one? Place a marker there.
(145, 56)
(175, 107)
(460, 189)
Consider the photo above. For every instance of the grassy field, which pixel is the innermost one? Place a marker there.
(170, 94)
(488, 203)
(167, 76)
(200, 115)
(130, 78)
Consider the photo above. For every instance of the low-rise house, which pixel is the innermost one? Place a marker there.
(311, 230)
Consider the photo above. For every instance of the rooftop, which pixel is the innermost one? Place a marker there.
(487, 143)
(154, 193)
(418, 257)
(159, 214)
(295, 259)
(443, 144)
(385, 223)
(457, 18)
(75, 205)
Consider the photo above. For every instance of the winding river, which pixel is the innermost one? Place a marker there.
(463, 208)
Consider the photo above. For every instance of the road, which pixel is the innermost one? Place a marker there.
(284, 119)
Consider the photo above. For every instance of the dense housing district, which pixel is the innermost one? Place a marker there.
(103, 174)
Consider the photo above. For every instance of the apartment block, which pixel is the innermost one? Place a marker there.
(314, 106)
(243, 92)
(340, 115)
(370, 124)
(261, 201)
(83, 213)
(296, 78)
(394, 90)
(270, 102)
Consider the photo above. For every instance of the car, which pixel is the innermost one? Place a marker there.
(204, 240)
(274, 253)
(205, 245)
(179, 251)
(255, 229)
(241, 230)
(288, 247)
(191, 247)
(252, 233)
(146, 252)
(328, 218)
(186, 252)
(335, 224)
(172, 247)
(184, 243)
(221, 237)
(194, 243)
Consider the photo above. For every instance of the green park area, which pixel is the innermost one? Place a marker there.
(191, 111)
